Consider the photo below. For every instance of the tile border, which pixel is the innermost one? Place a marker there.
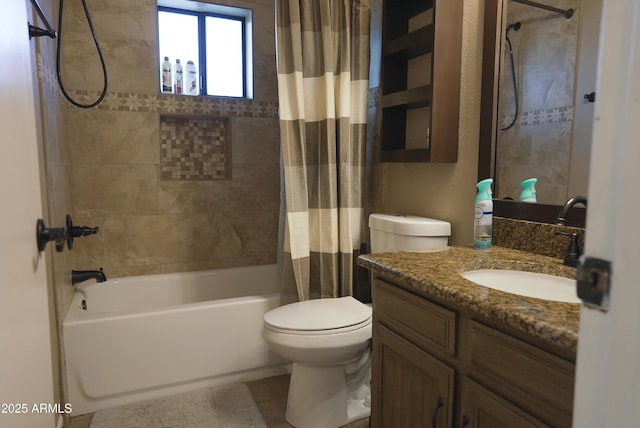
(161, 103)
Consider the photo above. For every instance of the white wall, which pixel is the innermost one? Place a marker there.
(25, 342)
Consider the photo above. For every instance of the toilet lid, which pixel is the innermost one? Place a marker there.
(319, 314)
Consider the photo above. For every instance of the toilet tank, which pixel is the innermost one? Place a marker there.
(391, 232)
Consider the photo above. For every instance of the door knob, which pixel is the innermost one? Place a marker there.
(590, 97)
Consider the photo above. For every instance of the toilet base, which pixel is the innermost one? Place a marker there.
(319, 397)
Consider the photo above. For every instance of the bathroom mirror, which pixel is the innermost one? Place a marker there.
(534, 120)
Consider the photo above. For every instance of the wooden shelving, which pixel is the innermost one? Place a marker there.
(421, 42)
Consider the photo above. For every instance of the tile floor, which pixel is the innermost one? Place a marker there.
(270, 394)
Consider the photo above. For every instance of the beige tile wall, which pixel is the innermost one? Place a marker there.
(149, 224)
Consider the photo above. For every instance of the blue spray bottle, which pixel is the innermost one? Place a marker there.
(482, 231)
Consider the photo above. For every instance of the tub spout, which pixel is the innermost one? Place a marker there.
(78, 276)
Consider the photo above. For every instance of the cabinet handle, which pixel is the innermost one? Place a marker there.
(434, 417)
(465, 421)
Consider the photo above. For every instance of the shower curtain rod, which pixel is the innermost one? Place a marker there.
(568, 13)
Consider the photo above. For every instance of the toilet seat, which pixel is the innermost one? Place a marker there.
(319, 316)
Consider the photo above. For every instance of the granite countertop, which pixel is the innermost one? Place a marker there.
(436, 274)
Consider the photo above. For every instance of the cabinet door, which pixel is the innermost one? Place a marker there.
(410, 388)
(481, 408)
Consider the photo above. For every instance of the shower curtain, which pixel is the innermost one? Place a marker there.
(323, 78)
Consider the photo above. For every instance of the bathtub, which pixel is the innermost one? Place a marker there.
(143, 337)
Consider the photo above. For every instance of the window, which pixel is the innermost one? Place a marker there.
(215, 39)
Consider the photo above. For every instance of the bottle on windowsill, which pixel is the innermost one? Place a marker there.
(177, 72)
(166, 75)
(191, 81)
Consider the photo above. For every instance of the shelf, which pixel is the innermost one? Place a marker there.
(411, 30)
(411, 45)
(411, 98)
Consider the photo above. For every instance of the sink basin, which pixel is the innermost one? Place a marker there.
(529, 284)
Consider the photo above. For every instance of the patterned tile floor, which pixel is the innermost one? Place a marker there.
(270, 394)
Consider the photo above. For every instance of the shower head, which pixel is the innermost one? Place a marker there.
(515, 26)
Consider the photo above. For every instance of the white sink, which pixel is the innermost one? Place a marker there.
(530, 284)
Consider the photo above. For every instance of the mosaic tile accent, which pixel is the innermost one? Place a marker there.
(181, 104)
(194, 148)
(539, 117)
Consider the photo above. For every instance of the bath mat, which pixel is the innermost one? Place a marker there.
(231, 406)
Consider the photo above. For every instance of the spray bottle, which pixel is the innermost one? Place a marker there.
(482, 230)
(528, 193)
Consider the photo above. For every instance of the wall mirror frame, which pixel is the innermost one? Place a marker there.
(494, 32)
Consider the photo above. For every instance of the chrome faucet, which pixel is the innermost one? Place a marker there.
(572, 255)
(78, 276)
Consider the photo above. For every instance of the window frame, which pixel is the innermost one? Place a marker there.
(202, 44)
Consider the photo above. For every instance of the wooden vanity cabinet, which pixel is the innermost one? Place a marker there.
(420, 87)
(435, 365)
(421, 385)
(481, 408)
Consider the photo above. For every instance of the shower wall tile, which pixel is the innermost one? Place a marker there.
(253, 187)
(219, 263)
(149, 224)
(266, 149)
(265, 81)
(127, 35)
(156, 239)
(115, 189)
(114, 137)
(254, 234)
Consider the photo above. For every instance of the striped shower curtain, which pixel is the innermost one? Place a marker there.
(323, 78)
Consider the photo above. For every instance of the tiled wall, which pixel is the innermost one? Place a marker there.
(539, 143)
(156, 211)
(56, 184)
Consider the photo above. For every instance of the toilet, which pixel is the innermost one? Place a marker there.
(329, 340)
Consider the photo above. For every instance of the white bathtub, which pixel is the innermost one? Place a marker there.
(149, 336)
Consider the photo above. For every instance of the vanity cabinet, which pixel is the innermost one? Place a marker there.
(481, 408)
(422, 386)
(436, 365)
(420, 90)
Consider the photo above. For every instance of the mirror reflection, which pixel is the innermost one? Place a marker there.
(537, 101)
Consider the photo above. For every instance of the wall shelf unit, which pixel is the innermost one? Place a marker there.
(420, 97)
